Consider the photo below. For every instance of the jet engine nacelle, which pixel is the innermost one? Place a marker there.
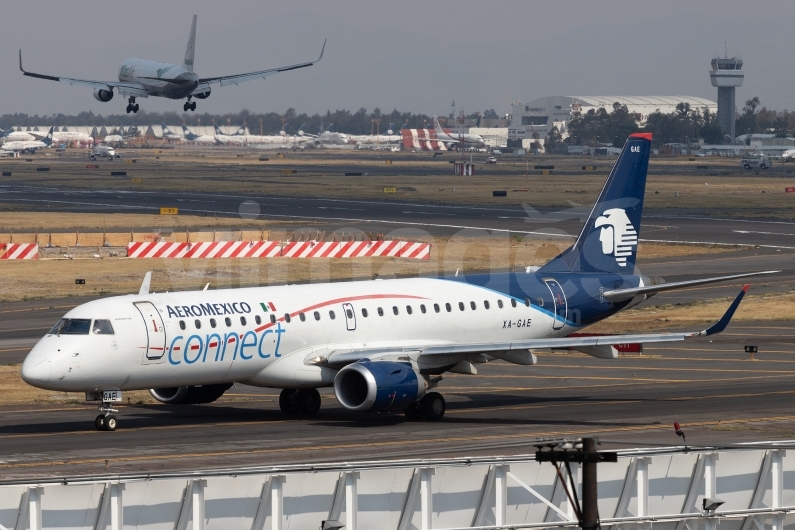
(203, 95)
(378, 386)
(189, 395)
(100, 94)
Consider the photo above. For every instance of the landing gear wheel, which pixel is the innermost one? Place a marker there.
(433, 406)
(288, 401)
(308, 400)
(99, 422)
(413, 412)
(136, 107)
(185, 107)
(193, 106)
(110, 422)
(129, 109)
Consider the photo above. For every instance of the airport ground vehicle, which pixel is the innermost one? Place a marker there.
(383, 345)
(762, 162)
(491, 160)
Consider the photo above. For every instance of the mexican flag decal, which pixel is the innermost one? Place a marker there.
(267, 307)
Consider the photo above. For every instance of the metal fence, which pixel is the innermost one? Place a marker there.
(663, 488)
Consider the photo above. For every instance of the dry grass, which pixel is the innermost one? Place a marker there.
(49, 278)
(418, 176)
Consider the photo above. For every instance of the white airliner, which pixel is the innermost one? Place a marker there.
(188, 136)
(20, 146)
(103, 151)
(327, 137)
(383, 345)
(788, 155)
(142, 78)
(465, 139)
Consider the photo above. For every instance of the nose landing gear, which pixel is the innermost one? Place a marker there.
(189, 105)
(106, 421)
(132, 106)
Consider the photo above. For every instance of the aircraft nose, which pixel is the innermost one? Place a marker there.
(36, 369)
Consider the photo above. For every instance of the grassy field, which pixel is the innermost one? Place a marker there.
(672, 182)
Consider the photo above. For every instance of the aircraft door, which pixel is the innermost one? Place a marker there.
(350, 316)
(155, 330)
(559, 302)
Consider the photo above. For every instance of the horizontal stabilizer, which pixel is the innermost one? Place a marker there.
(625, 294)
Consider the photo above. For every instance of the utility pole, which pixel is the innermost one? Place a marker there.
(584, 452)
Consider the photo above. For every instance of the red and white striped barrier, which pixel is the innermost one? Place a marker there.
(19, 251)
(275, 249)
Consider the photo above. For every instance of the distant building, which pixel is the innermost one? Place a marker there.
(539, 115)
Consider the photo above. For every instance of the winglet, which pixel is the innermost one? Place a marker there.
(20, 61)
(323, 49)
(721, 324)
(145, 284)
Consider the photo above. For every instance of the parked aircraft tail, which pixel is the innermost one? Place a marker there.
(609, 240)
(436, 126)
(190, 50)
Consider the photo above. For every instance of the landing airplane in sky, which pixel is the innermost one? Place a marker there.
(20, 146)
(465, 139)
(383, 345)
(142, 78)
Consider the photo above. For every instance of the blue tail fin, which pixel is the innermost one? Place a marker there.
(609, 240)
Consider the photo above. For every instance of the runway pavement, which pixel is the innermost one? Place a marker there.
(712, 389)
(680, 225)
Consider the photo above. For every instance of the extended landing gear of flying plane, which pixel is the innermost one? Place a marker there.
(305, 401)
(106, 421)
(189, 105)
(132, 106)
(431, 407)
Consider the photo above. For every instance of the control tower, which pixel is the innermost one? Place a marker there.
(726, 74)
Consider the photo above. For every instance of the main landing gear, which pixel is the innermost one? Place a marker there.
(305, 401)
(431, 407)
(189, 105)
(106, 421)
(132, 106)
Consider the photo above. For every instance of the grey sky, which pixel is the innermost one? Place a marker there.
(412, 55)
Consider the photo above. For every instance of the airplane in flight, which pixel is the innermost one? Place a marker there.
(20, 146)
(143, 78)
(383, 345)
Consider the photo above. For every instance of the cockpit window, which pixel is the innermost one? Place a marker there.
(103, 327)
(72, 326)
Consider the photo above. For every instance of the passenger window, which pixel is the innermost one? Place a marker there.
(513, 302)
(448, 307)
(540, 302)
(527, 302)
(227, 321)
(499, 304)
(364, 313)
(461, 306)
(408, 309)
(257, 319)
(349, 313)
(486, 304)
(380, 312)
(331, 315)
(182, 324)
(273, 318)
(197, 323)
(436, 307)
(473, 306)
(317, 315)
(242, 321)
(395, 309)
(422, 308)
(212, 322)
(302, 317)
(103, 327)
(287, 317)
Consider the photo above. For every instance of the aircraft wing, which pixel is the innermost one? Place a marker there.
(625, 294)
(517, 351)
(261, 74)
(124, 88)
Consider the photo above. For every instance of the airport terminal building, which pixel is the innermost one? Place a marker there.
(539, 115)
